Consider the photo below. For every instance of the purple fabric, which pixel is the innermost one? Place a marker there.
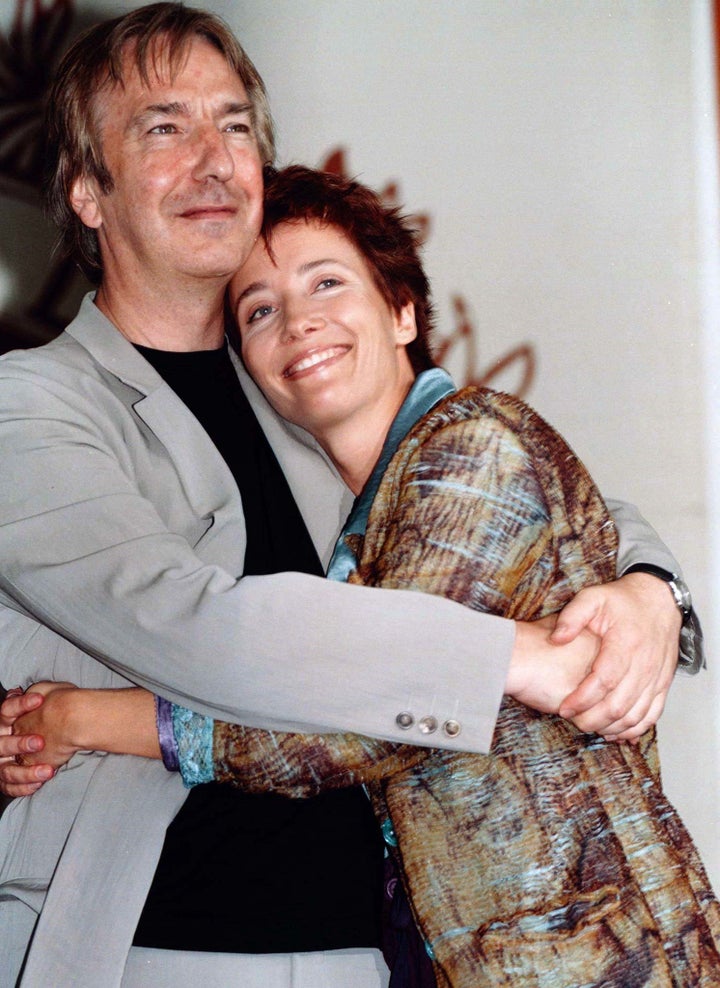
(402, 945)
(166, 737)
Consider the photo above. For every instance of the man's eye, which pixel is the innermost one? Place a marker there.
(259, 313)
(165, 128)
(238, 128)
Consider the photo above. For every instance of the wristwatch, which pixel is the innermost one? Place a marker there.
(678, 587)
(692, 651)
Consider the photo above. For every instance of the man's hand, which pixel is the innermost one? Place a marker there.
(639, 624)
(17, 779)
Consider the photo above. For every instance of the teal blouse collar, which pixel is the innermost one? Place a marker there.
(430, 387)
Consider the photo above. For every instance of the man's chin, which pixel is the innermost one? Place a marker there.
(215, 265)
(224, 258)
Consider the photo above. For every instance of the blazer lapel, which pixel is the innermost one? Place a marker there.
(207, 481)
(320, 494)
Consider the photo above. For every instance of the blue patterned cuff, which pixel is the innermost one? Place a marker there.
(193, 735)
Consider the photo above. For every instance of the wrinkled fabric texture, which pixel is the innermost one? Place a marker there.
(556, 860)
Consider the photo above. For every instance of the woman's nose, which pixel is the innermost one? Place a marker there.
(301, 320)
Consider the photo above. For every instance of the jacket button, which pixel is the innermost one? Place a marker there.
(428, 725)
(451, 728)
(405, 720)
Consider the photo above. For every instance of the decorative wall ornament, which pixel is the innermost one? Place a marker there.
(519, 361)
(28, 57)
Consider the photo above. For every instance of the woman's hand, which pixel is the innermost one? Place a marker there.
(51, 720)
(17, 776)
(42, 729)
(542, 674)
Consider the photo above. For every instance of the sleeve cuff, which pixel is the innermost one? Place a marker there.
(168, 748)
(193, 738)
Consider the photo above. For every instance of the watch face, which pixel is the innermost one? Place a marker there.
(681, 593)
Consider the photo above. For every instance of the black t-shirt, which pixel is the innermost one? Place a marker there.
(259, 874)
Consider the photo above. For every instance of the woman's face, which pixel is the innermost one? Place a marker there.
(317, 335)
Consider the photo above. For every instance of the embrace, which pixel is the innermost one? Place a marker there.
(151, 536)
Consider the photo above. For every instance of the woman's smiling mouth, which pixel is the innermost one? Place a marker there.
(311, 360)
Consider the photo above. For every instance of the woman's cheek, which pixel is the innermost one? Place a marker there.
(257, 360)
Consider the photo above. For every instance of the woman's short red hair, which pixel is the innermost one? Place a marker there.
(380, 233)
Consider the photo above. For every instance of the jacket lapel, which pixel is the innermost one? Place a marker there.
(209, 486)
(322, 497)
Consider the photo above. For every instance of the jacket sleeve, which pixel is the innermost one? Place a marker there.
(84, 551)
(639, 542)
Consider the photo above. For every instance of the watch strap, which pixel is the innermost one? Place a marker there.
(691, 656)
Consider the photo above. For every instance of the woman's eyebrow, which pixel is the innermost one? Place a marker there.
(259, 286)
(232, 108)
(311, 265)
(255, 286)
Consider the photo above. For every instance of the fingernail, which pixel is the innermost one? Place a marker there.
(44, 773)
(34, 744)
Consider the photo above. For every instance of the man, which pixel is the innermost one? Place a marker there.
(126, 521)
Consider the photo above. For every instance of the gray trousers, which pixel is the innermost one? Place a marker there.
(150, 968)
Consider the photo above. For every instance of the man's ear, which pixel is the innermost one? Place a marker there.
(405, 325)
(85, 201)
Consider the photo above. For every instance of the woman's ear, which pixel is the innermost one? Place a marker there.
(405, 325)
(85, 201)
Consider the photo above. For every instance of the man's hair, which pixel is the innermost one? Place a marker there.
(380, 233)
(95, 61)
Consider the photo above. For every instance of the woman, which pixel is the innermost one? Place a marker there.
(556, 859)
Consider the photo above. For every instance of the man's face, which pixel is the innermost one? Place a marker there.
(187, 176)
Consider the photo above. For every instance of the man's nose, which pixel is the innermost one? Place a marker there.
(213, 157)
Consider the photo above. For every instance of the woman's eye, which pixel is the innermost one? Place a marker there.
(259, 313)
(329, 283)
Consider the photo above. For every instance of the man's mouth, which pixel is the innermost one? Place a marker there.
(209, 212)
(311, 360)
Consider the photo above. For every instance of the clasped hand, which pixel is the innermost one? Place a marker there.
(608, 663)
(33, 742)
